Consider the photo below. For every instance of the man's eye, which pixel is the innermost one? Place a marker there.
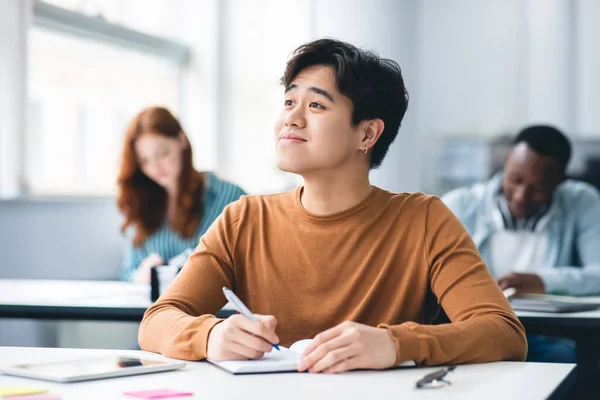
(316, 105)
(288, 102)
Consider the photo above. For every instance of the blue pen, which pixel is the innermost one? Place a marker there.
(241, 307)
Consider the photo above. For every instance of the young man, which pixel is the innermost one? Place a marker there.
(358, 269)
(537, 231)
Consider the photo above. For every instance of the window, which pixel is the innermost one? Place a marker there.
(86, 79)
(153, 17)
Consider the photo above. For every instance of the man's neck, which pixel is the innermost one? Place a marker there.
(330, 193)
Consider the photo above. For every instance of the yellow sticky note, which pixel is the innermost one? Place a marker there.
(19, 390)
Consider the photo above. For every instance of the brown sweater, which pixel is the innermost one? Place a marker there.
(379, 263)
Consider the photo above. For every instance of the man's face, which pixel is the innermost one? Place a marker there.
(529, 180)
(314, 130)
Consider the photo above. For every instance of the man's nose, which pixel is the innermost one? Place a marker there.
(295, 118)
(521, 194)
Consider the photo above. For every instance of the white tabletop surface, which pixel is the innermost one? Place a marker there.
(502, 380)
(74, 293)
(595, 314)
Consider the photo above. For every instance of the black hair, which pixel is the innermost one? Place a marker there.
(547, 141)
(373, 84)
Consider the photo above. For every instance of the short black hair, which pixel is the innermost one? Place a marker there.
(373, 84)
(548, 141)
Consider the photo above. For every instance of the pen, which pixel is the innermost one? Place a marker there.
(435, 379)
(241, 307)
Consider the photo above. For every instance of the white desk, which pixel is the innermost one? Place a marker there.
(76, 300)
(503, 380)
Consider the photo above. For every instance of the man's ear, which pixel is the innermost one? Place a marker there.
(371, 132)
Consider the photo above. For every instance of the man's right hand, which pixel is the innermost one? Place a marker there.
(240, 338)
(522, 283)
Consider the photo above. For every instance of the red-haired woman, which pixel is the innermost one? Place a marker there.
(166, 203)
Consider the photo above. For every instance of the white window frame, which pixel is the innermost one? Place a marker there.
(52, 17)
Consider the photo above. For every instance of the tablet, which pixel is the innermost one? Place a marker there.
(90, 368)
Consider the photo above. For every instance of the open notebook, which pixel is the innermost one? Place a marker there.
(285, 360)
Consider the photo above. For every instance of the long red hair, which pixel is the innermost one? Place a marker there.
(141, 200)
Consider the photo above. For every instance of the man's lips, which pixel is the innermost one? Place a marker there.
(291, 136)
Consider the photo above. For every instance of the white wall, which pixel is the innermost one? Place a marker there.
(587, 67)
(469, 66)
(550, 61)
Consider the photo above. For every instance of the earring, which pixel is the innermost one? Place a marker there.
(366, 149)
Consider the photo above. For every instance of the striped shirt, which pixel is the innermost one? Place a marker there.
(168, 243)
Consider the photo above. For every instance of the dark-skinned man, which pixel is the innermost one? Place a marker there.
(537, 231)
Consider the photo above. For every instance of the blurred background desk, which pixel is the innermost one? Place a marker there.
(73, 313)
(76, 300)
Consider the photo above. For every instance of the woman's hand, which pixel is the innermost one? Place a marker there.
(142, 274)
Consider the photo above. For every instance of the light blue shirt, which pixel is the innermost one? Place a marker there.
(167, 243)
(572, 264)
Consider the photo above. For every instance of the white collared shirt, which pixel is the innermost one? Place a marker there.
(518, 250)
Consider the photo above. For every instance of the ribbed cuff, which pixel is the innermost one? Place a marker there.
(553, 279)
(203, 333)
(408, 346)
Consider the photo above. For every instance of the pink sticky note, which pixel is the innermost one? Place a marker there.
(157, 394)
(44, 396)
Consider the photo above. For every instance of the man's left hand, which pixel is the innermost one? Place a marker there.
(523, 283)
(349, 346)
